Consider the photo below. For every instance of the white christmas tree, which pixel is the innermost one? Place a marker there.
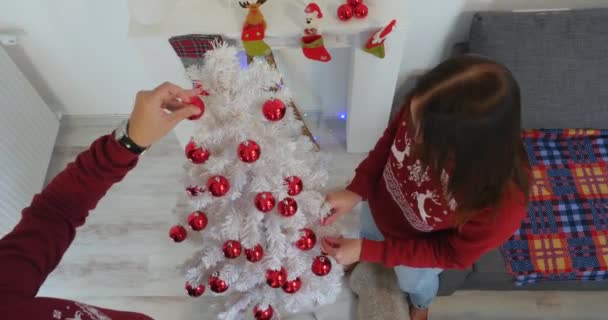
(253, 201)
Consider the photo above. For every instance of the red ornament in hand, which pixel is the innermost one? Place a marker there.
(345, 12)
(197, 221)
(249, 151)
(196, 154)
(288, 207)
(276, 278)
(321, 266)
(265, 201)
(307, 241)
(274, 109)
(294, 185)
(361, 11)
(197, 102)
(354, 3)
(232, 249)
(178, 233)
(292, 286)
(218, 186)
(216, 284)
(263, 314)
(255, 254)
(195, 291)
(194, 191)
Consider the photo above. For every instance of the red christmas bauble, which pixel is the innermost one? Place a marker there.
(178, 233)
(288, 207)
(321, 266)
(195, 291)
(197, 220)
(232, 249)
(292, 286)
(354, 3)
(218, 186)
(261, 314)
(197, 102)
(361, 11)
(196, 154)
(345, 12)
(276, 278)
(274, 109)
(249, 151)
(265, 201)
(194, 191)
(254, 254)
(307, 241)
(216, 284)
(294, 185)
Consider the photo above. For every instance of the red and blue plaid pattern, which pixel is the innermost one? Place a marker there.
(193, 45)
(565, 235)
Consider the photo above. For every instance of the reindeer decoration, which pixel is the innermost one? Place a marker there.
(254, 29)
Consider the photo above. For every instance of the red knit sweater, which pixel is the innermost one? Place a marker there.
(416, 216)
(47, 228)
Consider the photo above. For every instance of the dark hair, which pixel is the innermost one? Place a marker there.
(470, 122)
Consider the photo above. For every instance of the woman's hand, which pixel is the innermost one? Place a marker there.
(345, 251)
(158, 111)
(341, 202)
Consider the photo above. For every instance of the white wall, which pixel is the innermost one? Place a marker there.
(83, 62)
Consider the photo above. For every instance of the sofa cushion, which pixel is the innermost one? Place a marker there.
(560, 60)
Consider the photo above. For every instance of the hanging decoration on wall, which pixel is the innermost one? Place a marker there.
(352, 8)
(313, 45)
(254, 29)
(375, 44)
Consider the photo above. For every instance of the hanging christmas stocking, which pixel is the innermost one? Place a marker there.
(312, 41)
(253, 40)
(375, 44)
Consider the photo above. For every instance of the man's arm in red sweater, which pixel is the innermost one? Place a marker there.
(371, 168)
(48, 226)
(454, 249)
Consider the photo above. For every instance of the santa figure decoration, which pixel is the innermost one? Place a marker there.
(375, 44)
(312, 40)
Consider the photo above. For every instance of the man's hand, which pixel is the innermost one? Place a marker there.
(345, 251)
(341, 202)
(158, 111)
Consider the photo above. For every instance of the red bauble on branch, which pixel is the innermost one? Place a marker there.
(263, 314)
(307, 241)
(274, 109)
(288, 207)
(197, 102)
(196, 154)
(354, 3)
(249, 151)
(254, 254)
(197, 220)
(195, 291)
(218, 186)
(292, 286)
(345, 12)
(276, 278)
(194, 191)
(178, 233)
(361, 11)
(294, 185)
(265, 201)
(321, 266)
(216, 284)
(232, 249)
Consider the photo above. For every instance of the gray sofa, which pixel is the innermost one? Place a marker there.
(560, 60)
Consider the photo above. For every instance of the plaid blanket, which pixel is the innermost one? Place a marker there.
(565, 235)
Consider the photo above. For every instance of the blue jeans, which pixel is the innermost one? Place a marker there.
(421, 284)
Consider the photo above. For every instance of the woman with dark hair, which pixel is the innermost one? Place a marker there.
(446, 183)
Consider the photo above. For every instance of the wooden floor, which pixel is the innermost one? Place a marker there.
(123, 259)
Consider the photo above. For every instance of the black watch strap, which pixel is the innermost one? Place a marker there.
(126, 142)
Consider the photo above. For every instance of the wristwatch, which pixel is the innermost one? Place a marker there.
(121, 135)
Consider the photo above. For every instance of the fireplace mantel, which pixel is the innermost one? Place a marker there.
(372, 80)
